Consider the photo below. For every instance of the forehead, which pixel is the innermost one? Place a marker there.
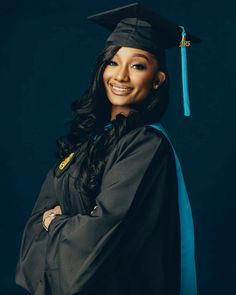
(126, 52)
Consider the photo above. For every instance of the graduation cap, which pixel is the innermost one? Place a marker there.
(138, 27)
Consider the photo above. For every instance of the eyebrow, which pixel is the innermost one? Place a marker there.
(138, 55)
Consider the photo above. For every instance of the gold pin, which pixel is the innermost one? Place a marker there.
(65, 161)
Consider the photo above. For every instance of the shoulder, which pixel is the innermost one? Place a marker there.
(138, 149)
(145, 138)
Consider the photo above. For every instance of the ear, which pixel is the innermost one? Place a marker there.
(159, 78)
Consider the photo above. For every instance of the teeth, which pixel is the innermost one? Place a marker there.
(120, 88)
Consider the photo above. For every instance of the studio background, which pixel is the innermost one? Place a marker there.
(47, 51)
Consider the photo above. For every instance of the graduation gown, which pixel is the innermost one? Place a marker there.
(127, 241)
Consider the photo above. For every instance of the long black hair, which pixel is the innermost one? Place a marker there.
(92, 112)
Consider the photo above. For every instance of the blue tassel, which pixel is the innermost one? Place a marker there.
(184, 74)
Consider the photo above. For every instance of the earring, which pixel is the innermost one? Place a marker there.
(155, 86)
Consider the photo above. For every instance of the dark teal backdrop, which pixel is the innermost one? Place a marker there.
(47, 50)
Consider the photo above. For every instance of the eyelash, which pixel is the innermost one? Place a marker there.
(139, 66)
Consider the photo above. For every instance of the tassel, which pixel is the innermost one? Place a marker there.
(183, 45)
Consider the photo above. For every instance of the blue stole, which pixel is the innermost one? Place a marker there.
(188, 285)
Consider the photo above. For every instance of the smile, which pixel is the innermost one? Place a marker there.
(120, 90)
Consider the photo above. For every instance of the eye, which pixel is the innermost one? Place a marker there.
(139, 66)
(111, 63)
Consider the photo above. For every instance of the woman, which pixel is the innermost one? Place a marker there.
(107, 218)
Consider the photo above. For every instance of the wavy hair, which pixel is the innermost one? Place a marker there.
(92, 112)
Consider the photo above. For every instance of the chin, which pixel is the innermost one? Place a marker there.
(119, 102)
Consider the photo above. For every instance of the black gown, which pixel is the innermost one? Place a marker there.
(126, 242)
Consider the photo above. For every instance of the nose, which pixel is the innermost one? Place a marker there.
(122, 74)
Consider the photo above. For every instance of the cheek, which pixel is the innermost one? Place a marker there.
(106, 75)
(106, 78)
(144, 82)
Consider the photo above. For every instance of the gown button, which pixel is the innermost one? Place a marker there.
(94, 209)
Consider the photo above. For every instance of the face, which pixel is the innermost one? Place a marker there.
(130, 76)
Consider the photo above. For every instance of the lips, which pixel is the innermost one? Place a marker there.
(120, 89)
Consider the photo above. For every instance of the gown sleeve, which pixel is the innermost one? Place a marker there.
(35, 238)
(81, 248)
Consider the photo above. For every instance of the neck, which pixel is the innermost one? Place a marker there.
(115, 110)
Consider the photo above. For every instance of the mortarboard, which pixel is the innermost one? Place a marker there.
(138, 27)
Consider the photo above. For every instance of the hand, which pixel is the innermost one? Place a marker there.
(49, 215)
(57, 210)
